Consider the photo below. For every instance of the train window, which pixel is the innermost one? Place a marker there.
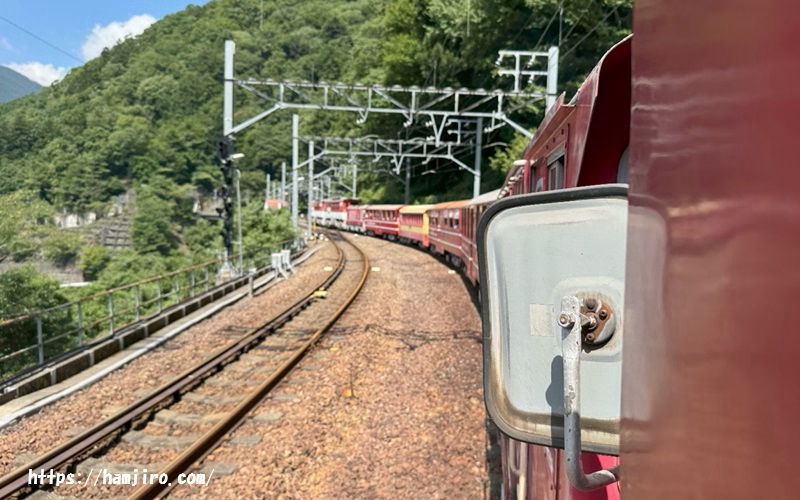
(555, 174)
(622, 168)
(555, 169)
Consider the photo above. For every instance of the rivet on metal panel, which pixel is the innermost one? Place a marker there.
(596, 321)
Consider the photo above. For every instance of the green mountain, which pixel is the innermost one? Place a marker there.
(146, 112)
(14, 85)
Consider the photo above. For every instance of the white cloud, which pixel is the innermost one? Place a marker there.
(43, 74)
(5, 44)
(102, 37)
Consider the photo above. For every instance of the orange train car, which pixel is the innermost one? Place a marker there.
(413, 224)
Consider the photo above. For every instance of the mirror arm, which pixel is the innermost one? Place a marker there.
(571, 318)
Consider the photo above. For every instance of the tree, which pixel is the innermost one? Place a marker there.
(262, 228)
(25, 219)
(151, 230)
(24, 291)
(93, 259)
(61, 247)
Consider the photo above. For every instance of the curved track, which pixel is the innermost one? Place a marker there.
(292, 333)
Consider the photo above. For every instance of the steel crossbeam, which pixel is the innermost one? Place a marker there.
(410, 102)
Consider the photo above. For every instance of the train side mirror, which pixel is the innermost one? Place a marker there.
(552, 286)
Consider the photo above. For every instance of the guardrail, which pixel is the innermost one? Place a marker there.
(39, 337)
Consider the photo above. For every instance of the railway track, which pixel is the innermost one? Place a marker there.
(247, 370)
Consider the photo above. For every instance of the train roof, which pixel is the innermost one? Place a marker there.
(331, 200)
(449, 204)
(415, 209)
(599, 87)
(382, 207)
(484, 198)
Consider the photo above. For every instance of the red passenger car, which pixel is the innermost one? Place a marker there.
(354, 220)
(444, 234)
(382, 220)
(577, 144)
(471, 213)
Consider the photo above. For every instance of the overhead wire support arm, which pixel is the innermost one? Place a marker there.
(409, 102)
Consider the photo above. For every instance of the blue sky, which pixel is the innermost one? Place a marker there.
(80, 28)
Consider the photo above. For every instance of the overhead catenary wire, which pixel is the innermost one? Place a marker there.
(572, 28)
(34, 35)
(565, 54)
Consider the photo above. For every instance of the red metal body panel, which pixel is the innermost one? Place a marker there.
(354, 220)
(381, 220)
(272, 204)
(577, 144)
(329, 212)
(709, 395)
(444, 234)
(471, 213)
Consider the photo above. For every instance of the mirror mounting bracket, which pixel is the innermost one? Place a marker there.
(571, 318)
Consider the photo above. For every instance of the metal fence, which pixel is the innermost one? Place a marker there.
(33, 339)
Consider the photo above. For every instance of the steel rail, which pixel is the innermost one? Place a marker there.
(209, 441)
(21, 377)
(76, 447)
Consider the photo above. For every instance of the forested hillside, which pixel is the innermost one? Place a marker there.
(14, 85)
(144, 115)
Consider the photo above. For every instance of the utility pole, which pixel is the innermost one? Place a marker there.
(267, 194)
(552, 77)
(295, 161)
(407, 196)
(476, 180)
(239, 219)
(283, 181)
(224, 150)
(227, 106)
(310, 186)
(355, 179)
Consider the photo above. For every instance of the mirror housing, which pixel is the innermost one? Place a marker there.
(550, 261)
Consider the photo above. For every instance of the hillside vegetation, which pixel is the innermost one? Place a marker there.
(14, 85)
(143, 116)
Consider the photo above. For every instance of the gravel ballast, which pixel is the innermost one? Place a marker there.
(388, 405)
(58, 422)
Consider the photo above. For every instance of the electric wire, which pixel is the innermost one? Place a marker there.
(34, 35)
(590, 32)
(572, 28)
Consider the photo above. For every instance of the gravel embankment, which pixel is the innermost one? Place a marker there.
(65, 418)
(388, 405)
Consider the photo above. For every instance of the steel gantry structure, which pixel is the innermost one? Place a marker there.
(436, 104)
(396, 151)
(440, 107)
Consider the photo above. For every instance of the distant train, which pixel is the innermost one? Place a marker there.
(596, 125)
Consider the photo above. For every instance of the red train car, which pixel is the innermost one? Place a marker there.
(354, 218)
(444, 233)
(331, 213)
(471, 213)
(382, 220)
(272, 204)
(580, 143)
